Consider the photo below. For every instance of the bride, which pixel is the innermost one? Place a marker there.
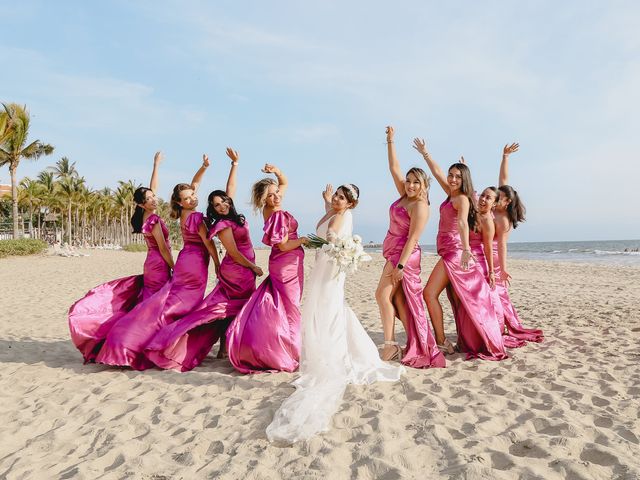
(336, 350)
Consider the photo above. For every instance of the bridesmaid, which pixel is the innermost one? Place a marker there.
(126, 341)
(479, 333)
(265, 335)
(509, 211)
(184, 344)
(399, 289)
(91, 317)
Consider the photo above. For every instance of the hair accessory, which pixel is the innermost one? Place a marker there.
(352, 191)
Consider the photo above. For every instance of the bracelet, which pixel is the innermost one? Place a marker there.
(234, 162)
(388, 142)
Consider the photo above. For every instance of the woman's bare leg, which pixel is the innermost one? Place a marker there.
(384, 296)
(438, 281)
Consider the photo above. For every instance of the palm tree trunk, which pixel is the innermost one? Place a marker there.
(14, 199)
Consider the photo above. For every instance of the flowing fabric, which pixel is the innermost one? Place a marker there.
(183, 344)
(421, 350)
(128, 338)
(92, 317)
(515, 331)
(265, 335)
(477, 321)
(514, 334)
(336, 351)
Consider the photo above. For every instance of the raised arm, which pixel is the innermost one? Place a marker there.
(419, 218)
(153, 185)
(461, 204)
(197, 178)
(282, 179)
(229, 243)
(327, 194)
(231, 181)
(394, 166)
(421, 146)
(504, 164)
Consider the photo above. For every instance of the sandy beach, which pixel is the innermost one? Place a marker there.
(566, 408)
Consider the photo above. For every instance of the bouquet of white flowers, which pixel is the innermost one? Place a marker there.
(347, 252)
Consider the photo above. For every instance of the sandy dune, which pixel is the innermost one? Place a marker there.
(566, 408)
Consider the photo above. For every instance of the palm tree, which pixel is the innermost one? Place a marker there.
(12, 149)
(31, 191)
(64, 168)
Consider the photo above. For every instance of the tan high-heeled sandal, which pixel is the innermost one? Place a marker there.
(396, 354)
(447, 347)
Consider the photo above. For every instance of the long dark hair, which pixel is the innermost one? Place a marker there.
(468, 191)
(176, 208)
(214, 217)
(139, 197)
(515, 210)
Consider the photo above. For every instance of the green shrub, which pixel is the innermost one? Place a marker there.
(23, 246)
(135, 247)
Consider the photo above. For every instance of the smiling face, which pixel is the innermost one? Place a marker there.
(273, 199)
(339, 201)
(502, 201)
(150, 201)
(221, 206)
(487, 200)
(413, 185)
(188, 199)
(454, 179)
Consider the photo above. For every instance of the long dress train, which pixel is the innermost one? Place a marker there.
(92, 317)
(183, 344)
(421, 350)
(477, 322)
(336, 351)
(265, 335)
(127, 339)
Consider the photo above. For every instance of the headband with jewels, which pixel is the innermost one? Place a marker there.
(352, 191)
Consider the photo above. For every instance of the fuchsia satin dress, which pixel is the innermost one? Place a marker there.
(421, 350)
(265, 335)
(184, 344)
(92, 317)
(127, 340)
(477, 322)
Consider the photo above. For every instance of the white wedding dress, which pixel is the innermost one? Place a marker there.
(336, 351)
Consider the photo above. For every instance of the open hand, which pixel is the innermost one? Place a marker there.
(505, 277)
(157, 158)
(509, 149)
(232, 154)
(327, 194)
(420, 145)
(465, 258)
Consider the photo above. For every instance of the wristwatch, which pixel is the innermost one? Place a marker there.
(400, 266)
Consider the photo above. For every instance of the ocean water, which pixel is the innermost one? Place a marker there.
(607, 252)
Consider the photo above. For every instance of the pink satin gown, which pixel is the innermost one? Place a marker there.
(514, 334)
(514, 329)
(127, 340)
(92, 317)
(421, 349)
(477, 322)
(183, 344)
(265, 335)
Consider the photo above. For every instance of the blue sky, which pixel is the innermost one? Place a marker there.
(310, 86)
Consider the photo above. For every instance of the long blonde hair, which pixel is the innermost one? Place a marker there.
(425, 181)
(259, 192)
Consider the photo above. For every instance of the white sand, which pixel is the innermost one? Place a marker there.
(566, 408)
